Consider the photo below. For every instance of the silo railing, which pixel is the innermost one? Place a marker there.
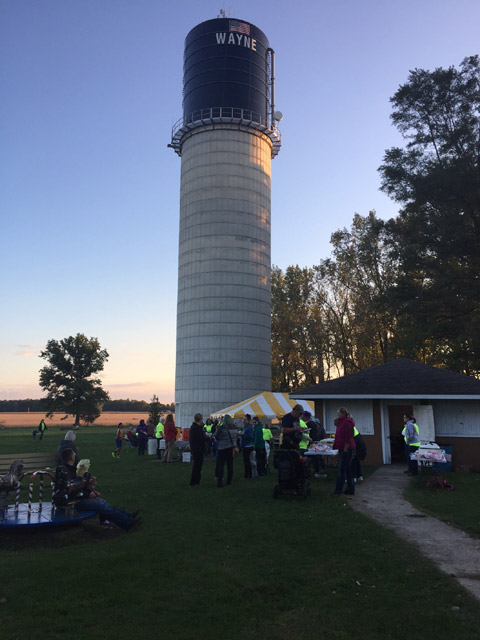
(225, 115)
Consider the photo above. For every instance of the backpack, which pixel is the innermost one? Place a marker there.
(360, 447)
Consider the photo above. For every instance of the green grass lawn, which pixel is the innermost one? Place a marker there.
(459, 507)
(212, 563)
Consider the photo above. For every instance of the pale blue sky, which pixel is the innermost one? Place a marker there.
(89, 191)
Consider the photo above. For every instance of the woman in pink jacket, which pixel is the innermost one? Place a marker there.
(170, 435)
(345, 444)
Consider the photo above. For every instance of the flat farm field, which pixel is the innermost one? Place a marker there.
(32, 419)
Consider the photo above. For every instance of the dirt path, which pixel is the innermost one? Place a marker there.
(455, 552)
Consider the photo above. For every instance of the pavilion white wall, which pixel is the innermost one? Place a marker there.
(360, 410)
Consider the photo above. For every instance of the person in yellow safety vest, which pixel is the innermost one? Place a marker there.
(208, 443)
(411, 435)
(159, 434)
(268, 437)
(306, 440)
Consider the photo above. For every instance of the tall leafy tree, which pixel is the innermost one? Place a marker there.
(356, 279)
(436, 179)
(335, 319)
(297, 330)
(155, 409)
(69, 377)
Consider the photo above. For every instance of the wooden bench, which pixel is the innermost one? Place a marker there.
(31, 462)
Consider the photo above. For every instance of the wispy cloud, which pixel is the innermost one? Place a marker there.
(140, 390)
(27, 350)
(130, 384)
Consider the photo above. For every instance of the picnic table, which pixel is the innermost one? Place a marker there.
(429, 457)
(323, 448)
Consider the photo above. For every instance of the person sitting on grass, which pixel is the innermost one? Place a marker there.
(68, 486)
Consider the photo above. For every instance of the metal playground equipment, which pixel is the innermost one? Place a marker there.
(36, 514)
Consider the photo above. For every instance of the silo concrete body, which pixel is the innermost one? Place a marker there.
(223, 309)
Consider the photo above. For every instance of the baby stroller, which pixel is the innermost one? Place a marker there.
(293, 474)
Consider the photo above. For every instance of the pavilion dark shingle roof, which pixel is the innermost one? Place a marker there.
(398, 377)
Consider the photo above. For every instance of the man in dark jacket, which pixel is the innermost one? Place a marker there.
(291, 429)
(197, 438)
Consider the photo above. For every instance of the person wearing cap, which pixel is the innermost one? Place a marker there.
(291, 429)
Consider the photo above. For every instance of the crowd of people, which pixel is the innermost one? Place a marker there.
(253, 442)
(224, 439)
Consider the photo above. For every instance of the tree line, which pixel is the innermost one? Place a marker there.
(35, 405)
(408, 286)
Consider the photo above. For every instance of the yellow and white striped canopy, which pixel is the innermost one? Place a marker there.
(264, 405)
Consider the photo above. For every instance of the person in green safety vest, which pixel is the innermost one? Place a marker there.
(411, 435)
(42, 427)
(208, 443)
(159, 435)
(306, 440)
(259, 445)
(268, 438)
